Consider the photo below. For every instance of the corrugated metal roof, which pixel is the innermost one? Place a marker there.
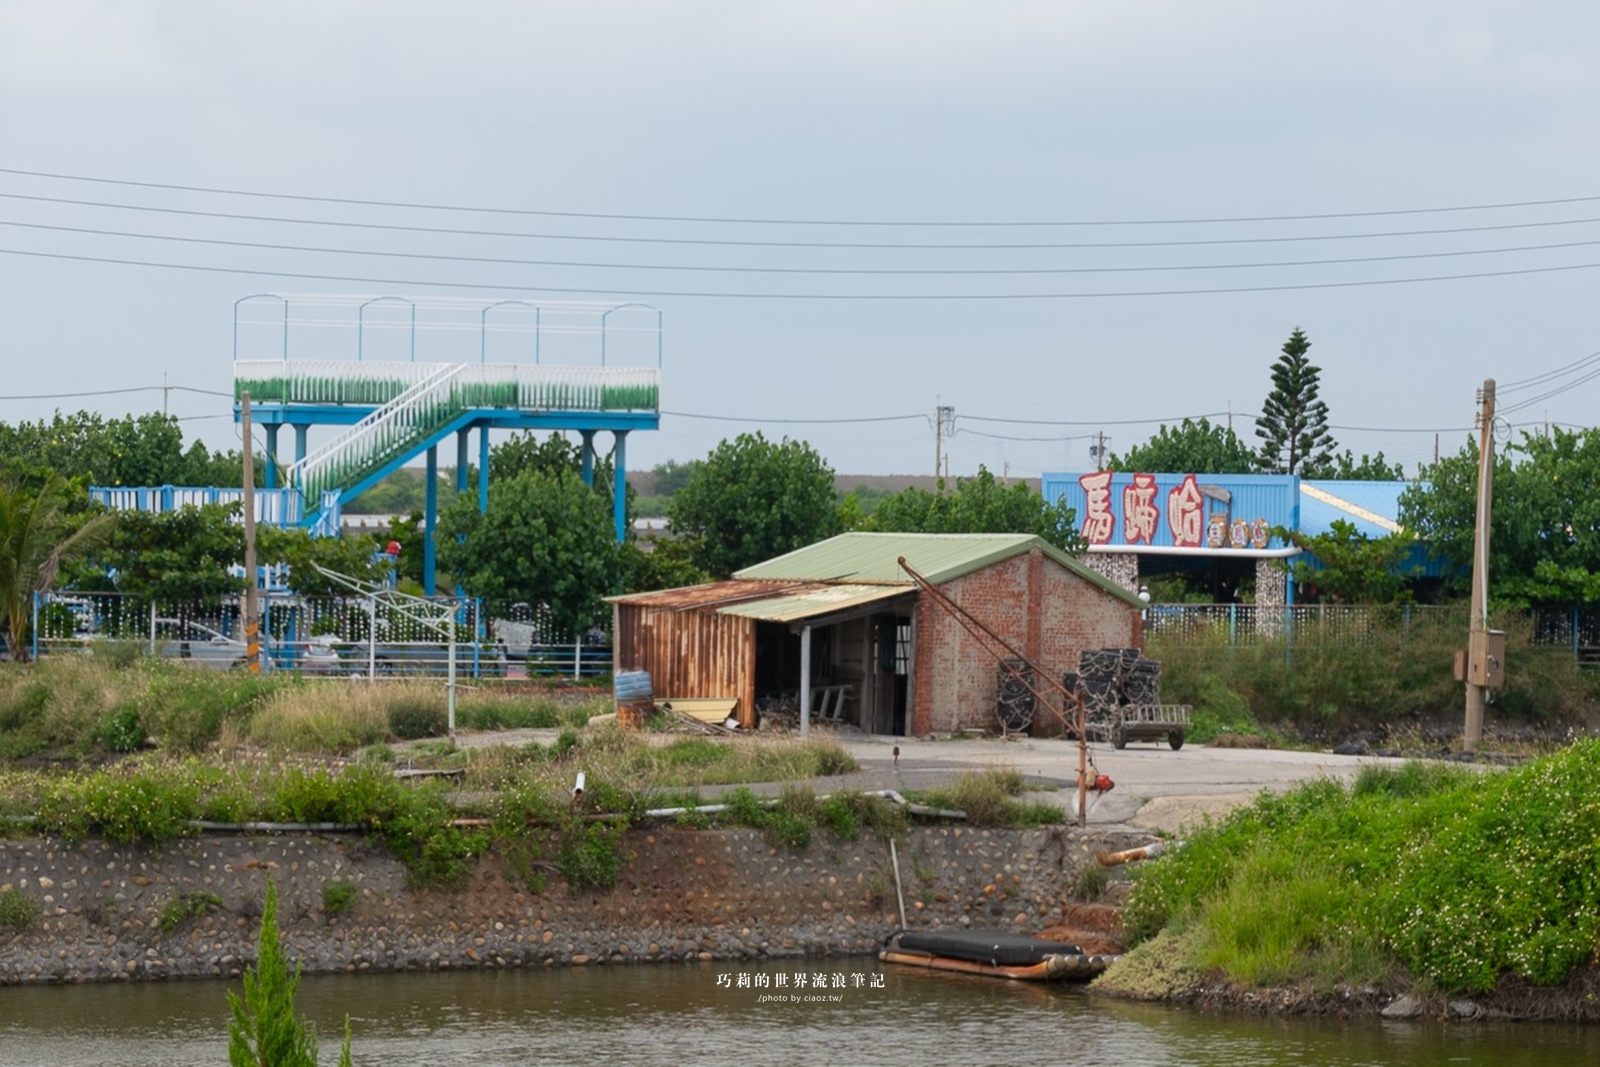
(873, 558)
(810, 601)
(710, 595)
(1374, 507)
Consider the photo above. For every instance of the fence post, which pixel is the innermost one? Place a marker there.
(34, 654)
(1233, 625)
(152, 627)
(1574, 632)
(1408, 619)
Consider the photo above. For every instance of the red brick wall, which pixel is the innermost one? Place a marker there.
(1040, 608)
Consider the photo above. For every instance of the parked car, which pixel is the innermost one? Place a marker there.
(198, 645)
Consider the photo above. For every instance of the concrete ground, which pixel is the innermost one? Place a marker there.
(1155, 788)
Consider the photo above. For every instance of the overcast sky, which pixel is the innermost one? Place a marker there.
(1245, 144)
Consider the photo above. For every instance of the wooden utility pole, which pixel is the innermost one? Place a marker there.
(1477, 636)
(252, 621)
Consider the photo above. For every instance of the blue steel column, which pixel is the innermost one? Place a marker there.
(619, 486)
(271, 479)
(483, 469)
(461, 459)
(300, 442)
(430, 519)
(587, 457)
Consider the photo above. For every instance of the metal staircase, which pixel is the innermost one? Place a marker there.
(398, 430)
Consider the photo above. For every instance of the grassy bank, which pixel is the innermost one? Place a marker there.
(1433, 877)
(81, 706)
(1391, 672)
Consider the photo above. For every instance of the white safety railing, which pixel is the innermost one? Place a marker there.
(326, 381)
(402, 423)
(481, 385)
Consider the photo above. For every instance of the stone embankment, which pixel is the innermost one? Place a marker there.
(191, 909)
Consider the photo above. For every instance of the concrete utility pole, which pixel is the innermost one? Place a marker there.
(1483, 663)
(942, 416)
(252, 621)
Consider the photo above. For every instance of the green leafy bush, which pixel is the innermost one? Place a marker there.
(338, 897)
(1457, 878)
(185, 907)
(17, 910)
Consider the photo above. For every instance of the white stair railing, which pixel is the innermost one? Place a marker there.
(401, 423)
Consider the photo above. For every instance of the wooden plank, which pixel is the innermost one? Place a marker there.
(705, 709)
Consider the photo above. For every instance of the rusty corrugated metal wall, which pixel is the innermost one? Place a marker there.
(689, 653)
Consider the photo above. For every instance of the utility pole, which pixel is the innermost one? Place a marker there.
(942, 416)
(252, 621)
(1098, 451)
(1481, 664)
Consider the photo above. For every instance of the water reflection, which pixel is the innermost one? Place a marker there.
(680, 1013)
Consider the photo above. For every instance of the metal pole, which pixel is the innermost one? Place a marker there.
(805, 680)
(452, 679)
(372, 638)
(1476, 694)
(252, 626)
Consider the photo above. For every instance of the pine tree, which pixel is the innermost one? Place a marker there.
(1293, 426)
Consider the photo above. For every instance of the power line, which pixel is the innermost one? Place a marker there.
(853, 271)
(760, 221)
(1540, 379)
(733, 243)
(853, 297)
(738, 418)
(116, 392)
(1090, 422)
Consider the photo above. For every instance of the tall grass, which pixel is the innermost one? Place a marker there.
(1451, 876)
(1392, 671)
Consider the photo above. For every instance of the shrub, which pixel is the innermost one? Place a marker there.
(186, 906)
(338, 897)
(591, 855)
(416, 715)
(265, 1028)
(123, 731)
(17, 910)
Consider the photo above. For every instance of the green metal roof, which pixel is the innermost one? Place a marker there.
(873, 558)
(811, 601)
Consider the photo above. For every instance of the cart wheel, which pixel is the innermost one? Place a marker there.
(1175, 739)
(1119, 736)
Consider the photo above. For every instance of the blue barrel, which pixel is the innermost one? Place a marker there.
(632, 685)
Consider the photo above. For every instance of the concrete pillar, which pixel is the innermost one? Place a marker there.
(619, 488)
(430, 519)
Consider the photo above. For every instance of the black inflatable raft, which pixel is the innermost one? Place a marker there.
(994, 953)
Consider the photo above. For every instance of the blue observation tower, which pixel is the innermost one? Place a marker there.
(397, 377)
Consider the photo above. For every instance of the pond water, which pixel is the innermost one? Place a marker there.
(714, 1014)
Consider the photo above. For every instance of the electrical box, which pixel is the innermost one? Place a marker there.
(1486, 658)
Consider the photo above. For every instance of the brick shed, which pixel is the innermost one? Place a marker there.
(841, 632)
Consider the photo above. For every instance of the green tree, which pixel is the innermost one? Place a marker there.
(89, 449)
(751, 500)
(1355, 568)
(177, 559)
(1544, 543)
(981, 504)
(35, 539)
(672, 475)
(351, 556)
(1293, 425)
(546, 537)
(265, 1030)
(1189, 448)
(1346, 468)
(525, 451)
